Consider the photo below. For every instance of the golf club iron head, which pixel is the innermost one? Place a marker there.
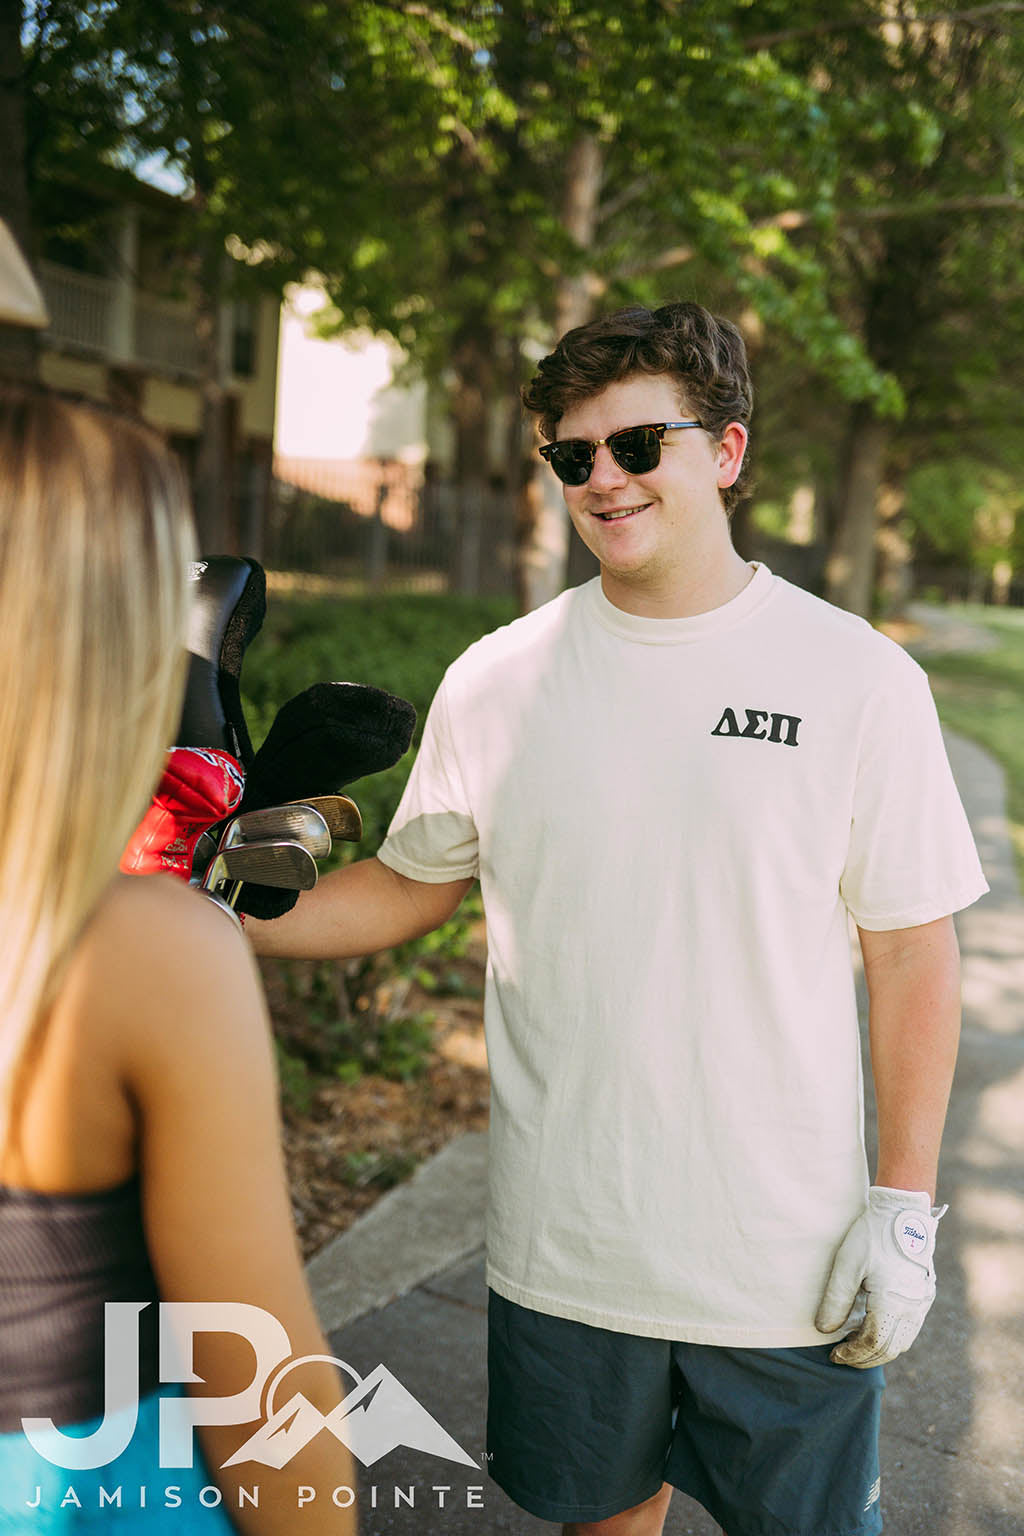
(298, 823)
(287, 866)
(294, 823)
(341, 814)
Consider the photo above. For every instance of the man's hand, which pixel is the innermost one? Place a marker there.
(885, 1263)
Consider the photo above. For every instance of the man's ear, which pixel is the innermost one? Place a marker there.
(731, 448)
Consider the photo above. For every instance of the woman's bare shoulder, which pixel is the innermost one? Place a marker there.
(155, 910)
(165, 946)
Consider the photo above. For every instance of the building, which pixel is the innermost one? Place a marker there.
(112, 262)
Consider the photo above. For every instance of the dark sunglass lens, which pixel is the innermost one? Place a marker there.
(572, 462)
(636, 449)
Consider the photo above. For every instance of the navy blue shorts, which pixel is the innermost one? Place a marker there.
(583, 1423)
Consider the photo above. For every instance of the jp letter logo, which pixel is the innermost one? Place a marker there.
(375, 1415)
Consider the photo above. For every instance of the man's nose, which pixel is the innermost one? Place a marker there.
(606, 473)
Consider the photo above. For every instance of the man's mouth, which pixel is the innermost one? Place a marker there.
(618, 514)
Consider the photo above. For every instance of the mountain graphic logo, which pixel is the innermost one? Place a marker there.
(376, 1416)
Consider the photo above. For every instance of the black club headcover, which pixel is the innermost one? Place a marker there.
(323, 739)
(228, 608)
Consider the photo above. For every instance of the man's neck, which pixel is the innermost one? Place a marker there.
(702, 585)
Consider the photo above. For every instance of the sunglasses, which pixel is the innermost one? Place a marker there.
(634, 449)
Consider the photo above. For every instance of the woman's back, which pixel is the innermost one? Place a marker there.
(75, 1129)
(72, 1235)
(140, 1149)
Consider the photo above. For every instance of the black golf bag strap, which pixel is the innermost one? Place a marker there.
(229, 605)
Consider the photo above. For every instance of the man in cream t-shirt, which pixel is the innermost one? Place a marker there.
(676, 784)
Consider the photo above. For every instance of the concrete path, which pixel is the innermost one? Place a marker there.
(953, 1430)
(405, 1288)
(945, 629)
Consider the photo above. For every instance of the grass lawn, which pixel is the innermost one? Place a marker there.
(402, 642)
(981, 695)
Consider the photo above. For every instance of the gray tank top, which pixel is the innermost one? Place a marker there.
(61, 1258)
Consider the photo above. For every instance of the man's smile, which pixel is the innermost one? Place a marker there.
(616, 514)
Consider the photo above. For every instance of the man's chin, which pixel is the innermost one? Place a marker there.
(639, 569)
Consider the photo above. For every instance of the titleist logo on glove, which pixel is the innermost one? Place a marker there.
(884, 1270)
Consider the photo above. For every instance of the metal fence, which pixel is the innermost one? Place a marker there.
(953, 584)
(804, 565)
(385, 525)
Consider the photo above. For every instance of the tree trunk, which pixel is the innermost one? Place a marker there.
(850, 569)
(213, 477)
(472, 399)
(544, 523)
(1002, 579)
(895, 571)
(583, 174)
(19, 344)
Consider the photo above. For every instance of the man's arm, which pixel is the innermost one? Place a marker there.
(913, 981)
(357, 910)
(885, 1259)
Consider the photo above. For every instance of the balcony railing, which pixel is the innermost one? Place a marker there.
(81, 307)
(165, 335)
(104, 317)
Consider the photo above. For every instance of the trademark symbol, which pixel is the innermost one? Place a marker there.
(486, 1456)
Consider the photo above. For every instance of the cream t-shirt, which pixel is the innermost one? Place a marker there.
(671, 820)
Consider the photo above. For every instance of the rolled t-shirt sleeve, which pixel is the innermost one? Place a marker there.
(433, 836)
(911, 856)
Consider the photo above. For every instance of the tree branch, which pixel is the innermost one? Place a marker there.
(794, 218)
(978, 13)
(978, 203)
(462, 130)
(442, 24)
(613, 205)
(676, 257)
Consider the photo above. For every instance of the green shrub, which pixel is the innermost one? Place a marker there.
(402, 643)
(382, 1170)
(296, 1080)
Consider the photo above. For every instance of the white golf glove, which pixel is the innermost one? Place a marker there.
(884, 1269)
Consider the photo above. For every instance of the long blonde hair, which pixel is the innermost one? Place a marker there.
(95, 541)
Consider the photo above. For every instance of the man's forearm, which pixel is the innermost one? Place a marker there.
(913, 979)
(357, 910)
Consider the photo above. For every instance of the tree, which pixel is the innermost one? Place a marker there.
(235, 100)
(576, 155)
(18, 344)
(835, 181)
(923, 266)
(473, 179)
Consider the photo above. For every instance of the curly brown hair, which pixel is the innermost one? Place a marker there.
(703, 353)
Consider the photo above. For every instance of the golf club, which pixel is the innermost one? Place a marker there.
(341, 814)
(287, 866)
(293, 823)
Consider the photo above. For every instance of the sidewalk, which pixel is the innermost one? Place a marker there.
(405, 1287)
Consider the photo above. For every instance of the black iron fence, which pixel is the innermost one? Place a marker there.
(385, 525)
(945, 584)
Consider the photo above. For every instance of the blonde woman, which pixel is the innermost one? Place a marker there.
(139, 1149)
